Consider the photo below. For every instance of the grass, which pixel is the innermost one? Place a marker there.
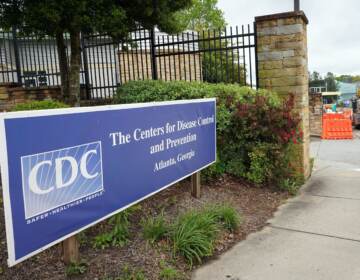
(119, 234)
(169, 273)
(194, 233)
(131, 274)
(225, 215)
(193, 236)
(127, 274)
(290, 186)
(154, 229)
(76, 268)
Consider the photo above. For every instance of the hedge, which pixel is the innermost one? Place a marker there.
(255, 128)
(39, 105)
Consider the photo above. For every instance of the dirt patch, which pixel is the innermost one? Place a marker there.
(256, 206)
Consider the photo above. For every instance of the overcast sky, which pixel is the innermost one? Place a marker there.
(333, 31)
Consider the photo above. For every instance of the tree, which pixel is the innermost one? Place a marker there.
(202, 15)
(315, 80)
(208, 21)
(115, 18)
(348, 78)
(330, 82)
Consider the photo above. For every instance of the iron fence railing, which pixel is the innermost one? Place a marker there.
(227, 55)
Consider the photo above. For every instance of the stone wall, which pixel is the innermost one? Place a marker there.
(282, 63)
(136, 65)
(12, 94)
(315, 108)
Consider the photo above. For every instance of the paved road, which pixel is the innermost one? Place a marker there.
(315, 236)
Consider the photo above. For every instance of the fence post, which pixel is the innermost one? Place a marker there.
(17, 55)
(86, 68)
(195, 185)
(153, 55)
(70, 247)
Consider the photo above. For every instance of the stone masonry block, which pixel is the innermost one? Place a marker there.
(275, 73)
(297, 45)
(281, 30)
(295, 62)
(275, 55)
(288, 81)
(290, 89)
(267, 65)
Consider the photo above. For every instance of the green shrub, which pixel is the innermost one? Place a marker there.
(194, 233)
(103, 240)
(193, 236)
(254, 127)
(119, 234)
(290, 186)
(39, 105)
(225, 215)
(154, 229)
(261, 163)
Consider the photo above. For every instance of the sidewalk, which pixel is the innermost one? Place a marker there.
(315, 236)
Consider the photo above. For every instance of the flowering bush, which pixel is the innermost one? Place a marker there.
(262, 132)
(255, 129)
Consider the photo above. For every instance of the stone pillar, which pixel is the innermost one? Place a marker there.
(283, 67)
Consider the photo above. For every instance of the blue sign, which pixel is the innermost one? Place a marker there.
(68, 169)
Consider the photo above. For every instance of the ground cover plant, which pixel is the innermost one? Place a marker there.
(194, 233)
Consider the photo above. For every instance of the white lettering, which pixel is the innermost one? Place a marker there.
(58, 170)
(34, 187)
(83, 168)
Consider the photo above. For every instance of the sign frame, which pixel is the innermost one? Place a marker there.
(75, 110)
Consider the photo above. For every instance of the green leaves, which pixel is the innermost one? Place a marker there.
(154, 229)
(195, 232)
(39, 105)
(119, 234)
(113, 17)
(76, 268)
(203, 14)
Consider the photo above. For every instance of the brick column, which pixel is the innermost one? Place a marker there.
(283, 67)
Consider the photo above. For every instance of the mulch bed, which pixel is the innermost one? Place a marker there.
(256, 205)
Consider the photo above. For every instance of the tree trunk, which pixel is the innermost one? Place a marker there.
(63, 65)
(75, 61)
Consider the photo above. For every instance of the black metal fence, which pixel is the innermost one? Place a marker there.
(227, 55)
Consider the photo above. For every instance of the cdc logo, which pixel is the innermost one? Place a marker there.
(59, 177)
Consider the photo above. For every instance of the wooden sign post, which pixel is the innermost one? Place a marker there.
(195, 185)
(70, 249)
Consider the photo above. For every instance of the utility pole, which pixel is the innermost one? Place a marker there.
(296, 5)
